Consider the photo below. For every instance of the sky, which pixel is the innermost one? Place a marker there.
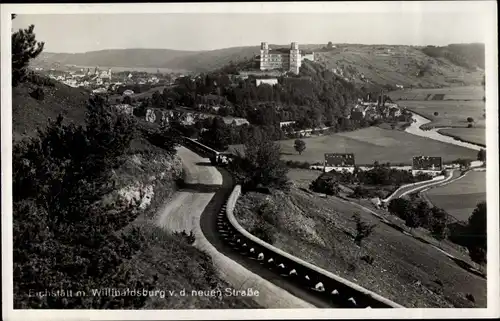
(73, 33)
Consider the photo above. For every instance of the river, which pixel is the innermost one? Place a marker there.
(433, 133)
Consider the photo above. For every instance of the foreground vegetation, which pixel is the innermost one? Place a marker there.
(85, 189)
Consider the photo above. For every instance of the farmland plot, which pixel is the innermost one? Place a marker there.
(460, 197)
(374, 144)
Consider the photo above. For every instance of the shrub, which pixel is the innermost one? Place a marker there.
(436, 113)
(267, 211)
(38, 93)
(300, 146)
(188, 238)
(476, 234)
(363, 229)
(438, 226)
(399, 207)
(470, 119)
(469, 126)
(368, 259)
(263, 232)
(325, 183)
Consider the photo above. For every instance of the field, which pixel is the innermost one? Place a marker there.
(459, 198)
(320, 230)
(373, 144)
(450, 113)
(471, 135)
(453, 105)
(449, 93)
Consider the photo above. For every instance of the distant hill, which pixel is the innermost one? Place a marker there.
(461, 64)
(149, 58)
(465, 55)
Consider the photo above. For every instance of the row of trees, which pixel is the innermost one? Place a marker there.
(418, 213)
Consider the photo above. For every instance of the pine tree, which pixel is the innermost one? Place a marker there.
(24, 48)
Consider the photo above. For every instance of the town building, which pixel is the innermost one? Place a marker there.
(339, 162)
(427, 164)
(270, 81)
(281, 58)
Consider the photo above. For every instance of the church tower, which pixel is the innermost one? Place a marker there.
(295, 59)
(264, 55)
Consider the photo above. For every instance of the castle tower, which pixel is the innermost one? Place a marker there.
(295, 59)
(264, 55)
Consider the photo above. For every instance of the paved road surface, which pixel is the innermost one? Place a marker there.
(192, 210)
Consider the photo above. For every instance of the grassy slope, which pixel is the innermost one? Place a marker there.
(178, 264)
(373, 144)
(404, 269)
(399, 66)
(29, 113)
(460, 197)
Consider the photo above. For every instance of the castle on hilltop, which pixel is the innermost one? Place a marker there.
(284, 59)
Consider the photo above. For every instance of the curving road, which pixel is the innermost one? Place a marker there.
(195, 207)
(413, 188)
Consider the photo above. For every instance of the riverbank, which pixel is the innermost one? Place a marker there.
(419, 121)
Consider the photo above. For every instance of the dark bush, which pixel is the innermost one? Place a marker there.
(263, 232)
(368, 259)
(325, 183)
(189, 238)
(38, 94)
(363, 229)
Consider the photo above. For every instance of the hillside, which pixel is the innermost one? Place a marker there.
(321, 231)
(363, 64)
(144, 178)
(396, 65)
(29, 113)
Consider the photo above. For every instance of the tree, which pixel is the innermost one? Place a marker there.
(476, 234)
(300, 146)
(24, 48)
(59, 179)
(423, 212)
(260, 164)
(399, 207)
(470, 119)
(481, 155)
(411, 219)
(329, 45)
(218, 135)
(363, 229)
(127, 100)
(325, 183)
(436, 113)
(439, 220)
